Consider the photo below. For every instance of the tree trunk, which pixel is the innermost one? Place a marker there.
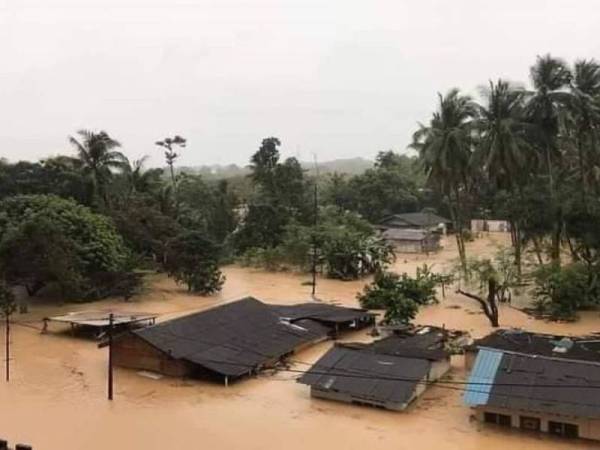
(488, 305)
(515, 234)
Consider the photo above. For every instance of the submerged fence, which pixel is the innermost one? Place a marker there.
(4, 446)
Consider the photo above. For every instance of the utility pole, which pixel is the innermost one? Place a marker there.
(111, 319)
(315, 223)
(7, 318)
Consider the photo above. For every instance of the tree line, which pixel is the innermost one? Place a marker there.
(530, 156)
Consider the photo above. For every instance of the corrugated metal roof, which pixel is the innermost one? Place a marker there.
(482, 377)
(362, 374)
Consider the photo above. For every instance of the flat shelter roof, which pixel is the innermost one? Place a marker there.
(100, 319)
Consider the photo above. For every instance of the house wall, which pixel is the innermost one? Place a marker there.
(439, 369)
(132, 352)
(348, 398)
(588, 428)
(470, 356)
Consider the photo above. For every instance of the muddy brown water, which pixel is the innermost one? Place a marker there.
(56, 399)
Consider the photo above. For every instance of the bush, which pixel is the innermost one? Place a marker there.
(561, 291)
(400, 295)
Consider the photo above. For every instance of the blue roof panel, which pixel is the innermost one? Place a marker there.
(482, 377)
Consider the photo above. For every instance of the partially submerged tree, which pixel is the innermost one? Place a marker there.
(400, 295)
(193, 260)
(445, 147)
(45, 240)
(492, 280)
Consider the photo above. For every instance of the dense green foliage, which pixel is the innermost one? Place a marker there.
(347, 247)
(194, 261)
(46, 239)
(400, 295)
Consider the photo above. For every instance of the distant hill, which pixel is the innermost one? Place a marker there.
(351, 166)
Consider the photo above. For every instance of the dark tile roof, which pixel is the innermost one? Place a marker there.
(417, 219)
(321, 312)
(576, 348)
(428, 345)
(365, 375)
(231, 339)
(529, 383)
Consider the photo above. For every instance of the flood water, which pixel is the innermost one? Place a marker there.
(56, 399)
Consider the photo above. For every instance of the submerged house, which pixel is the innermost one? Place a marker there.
(412, 241)
(536, 393)
(416, 221)
(578, 348)
(491, 226)
(389, 373)
(226, 342)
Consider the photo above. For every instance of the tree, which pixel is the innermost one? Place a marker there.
(503, 146)
(584, 118)
(45, 239)
(193, 260)
(545, 108)
(98, 159)
(400, 295)
(445, 148)
(495, 278)
(562, 290)
(170, 145)
(348, 246)
(263, 165)
(390, 187)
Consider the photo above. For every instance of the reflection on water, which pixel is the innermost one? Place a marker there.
(56, 399)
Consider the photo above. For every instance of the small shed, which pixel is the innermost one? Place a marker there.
(412, 240)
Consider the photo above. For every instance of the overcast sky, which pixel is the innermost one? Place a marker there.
(339, 78)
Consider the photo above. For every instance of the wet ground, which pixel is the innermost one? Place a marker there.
(56, 399)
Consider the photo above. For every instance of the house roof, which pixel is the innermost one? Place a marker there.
(366, 375)
(321, 312)
(102, 318)
(404, 234)
(416, 219)
(231, 339)
(429, 344)
(577, 348)
(533, 383)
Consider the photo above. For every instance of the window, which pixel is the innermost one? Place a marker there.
(497, 419)
(530, 423)
(563, 429)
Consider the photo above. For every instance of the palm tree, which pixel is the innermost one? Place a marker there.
(140, 180)
(445, 150)
(98, 158)
(585, 119)
(503, 147)
(546, 110)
